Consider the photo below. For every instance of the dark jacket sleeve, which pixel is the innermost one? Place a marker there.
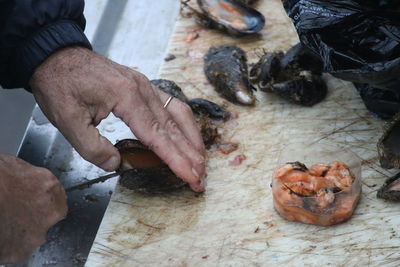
(31, 30)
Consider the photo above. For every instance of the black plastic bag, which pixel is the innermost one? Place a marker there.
(384, 103)
(358, 41)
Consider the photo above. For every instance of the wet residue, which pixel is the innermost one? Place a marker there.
(238, 160)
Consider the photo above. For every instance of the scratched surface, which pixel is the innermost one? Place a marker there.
(234, 223)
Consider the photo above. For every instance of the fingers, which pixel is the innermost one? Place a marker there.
(183, 116)
(157, 130)
(55, 198)
(31, 200)
(189, 136)
(78, 128)
(174, 129)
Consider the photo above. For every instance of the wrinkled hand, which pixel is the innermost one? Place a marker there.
(76, 89)
(31, 201)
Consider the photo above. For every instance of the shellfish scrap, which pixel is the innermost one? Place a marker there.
(233, 17)
(143, 171)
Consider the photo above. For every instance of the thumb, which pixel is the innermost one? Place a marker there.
(90, 144)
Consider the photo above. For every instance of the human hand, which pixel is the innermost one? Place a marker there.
(31, 201)
(76, 89)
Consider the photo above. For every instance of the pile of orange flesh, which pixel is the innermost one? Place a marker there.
(321, 195)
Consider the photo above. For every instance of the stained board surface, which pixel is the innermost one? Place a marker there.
(234, 223)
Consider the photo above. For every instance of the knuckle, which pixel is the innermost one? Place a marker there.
(91, 153)
(124, 83)
(47, 177)
(155, 126)
(172, 126)
(141, 78)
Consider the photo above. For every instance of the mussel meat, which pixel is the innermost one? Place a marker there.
(234, 17)
(306, 90)
(321, 195)
(226, 68)
(210, 132)
(143, 171)
(389, 145)
(390, 189)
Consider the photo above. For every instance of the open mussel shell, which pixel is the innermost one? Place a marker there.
(142, 170)
(266, 71)
(171, 88)
(390, 189)
(299, 58)
(226, 68)
(389, 145)
(306, 91)
(232, 16)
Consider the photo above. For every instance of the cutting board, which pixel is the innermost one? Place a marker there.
(234, 223)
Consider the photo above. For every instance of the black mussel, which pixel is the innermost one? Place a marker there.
(389, 145)
(266, 71)
(299, 58)
(198, 105)
(246, 2)
(171, 88)
(384, 103)
(206, 112)
(208, 108)
(306, 90)
(390, 189)
(143, 171)
(229, 15)
(226, 69)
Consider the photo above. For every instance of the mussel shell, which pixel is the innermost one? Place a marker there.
(232, 16)
(303, 91)
(151, 181)
(247, 2)
(226, 68)
(171, 88)
(142, 170)
(208, 108)
(389, 145)
(389, 189)
(266, 70)
(299, 58)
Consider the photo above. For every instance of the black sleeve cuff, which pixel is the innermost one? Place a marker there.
(42, 44)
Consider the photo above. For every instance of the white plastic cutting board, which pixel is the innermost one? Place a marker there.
(234, 223)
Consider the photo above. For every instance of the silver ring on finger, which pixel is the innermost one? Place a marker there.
(168, 101)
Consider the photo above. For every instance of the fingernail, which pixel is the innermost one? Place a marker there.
(111, 164)
(197, 187)
(202, 160)
(203, 182)
(195, 173)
